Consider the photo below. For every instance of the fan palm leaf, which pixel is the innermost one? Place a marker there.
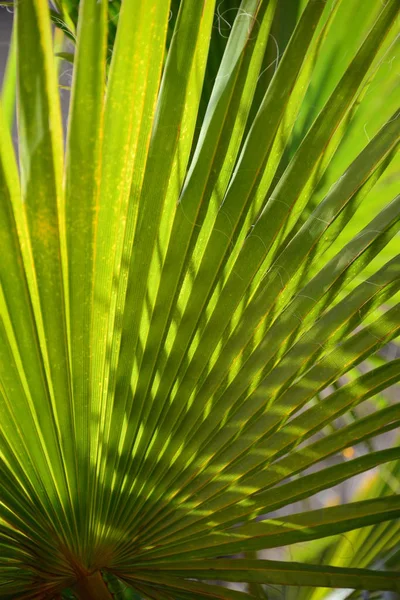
(179, 285)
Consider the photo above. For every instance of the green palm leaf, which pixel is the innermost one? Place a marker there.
(192, 291)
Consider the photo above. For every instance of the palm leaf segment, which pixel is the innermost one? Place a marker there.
(374, 546)
(176, 292)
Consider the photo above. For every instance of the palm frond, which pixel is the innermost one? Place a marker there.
(194, 292)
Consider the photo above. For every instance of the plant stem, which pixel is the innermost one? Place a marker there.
(92, 587)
